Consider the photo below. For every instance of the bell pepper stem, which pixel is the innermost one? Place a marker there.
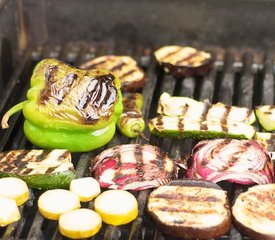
(16, 108)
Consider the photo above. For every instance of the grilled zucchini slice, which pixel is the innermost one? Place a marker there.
(176, 127)
(266, 116)
(42, 169)
(176, 106)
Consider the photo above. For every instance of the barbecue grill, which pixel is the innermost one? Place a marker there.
(239, 34)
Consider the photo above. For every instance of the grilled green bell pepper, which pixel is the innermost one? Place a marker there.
(69, 108)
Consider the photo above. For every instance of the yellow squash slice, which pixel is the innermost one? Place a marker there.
(53, 203)
(86, 188)
(79, 223)
(9, 212)
(116, 207)
(14, 188)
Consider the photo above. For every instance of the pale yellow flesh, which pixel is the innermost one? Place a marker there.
(85, 188)
(14, 188)
(79, 223)
(186, 209)
(116, 207)
(255, 209)
(53, 203)
(266, 116)
(9, 211)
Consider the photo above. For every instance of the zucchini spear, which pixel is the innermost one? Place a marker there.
(177, 127)
(42, 169)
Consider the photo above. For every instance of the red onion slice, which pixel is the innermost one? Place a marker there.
(239, 161)
(133, 167)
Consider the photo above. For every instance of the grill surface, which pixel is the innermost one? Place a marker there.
(239, 77)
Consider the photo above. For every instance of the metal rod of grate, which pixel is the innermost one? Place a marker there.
(238, 79)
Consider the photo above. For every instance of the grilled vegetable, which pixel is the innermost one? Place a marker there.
(69, 108)
(178, 127)
(116, 207)
(131, 76)
(14, 188)
(79, 223)
(133, 167)
(53, 203)
(266, 116)
(130, 122)
(85, 188)
(239, 161)
(184, 61)
(253, 212)
(42, 169)
(268, 142)
(190, 209)
(9, 211)
(176, 106)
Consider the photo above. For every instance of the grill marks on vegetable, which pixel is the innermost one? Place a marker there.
(28, 162)
(133, 166)
(96, 95)
(182, 56)
(131, 76)
(57, 89)
(98, 98)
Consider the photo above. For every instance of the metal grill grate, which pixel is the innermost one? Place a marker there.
(243, 78)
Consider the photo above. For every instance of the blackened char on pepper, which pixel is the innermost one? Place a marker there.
(91, 96)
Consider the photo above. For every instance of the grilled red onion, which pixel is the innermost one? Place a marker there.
(133, 167)
(239, 161)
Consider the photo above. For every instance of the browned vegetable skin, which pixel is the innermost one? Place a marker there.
(184, 61)
(125, 68)
(254, 212)
(190, 209)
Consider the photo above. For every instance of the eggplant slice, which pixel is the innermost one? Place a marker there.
(131, 76)
(133, 167)
(254, 212)
(184, 61)
(190, 209)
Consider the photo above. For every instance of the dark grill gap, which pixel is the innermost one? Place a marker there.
(238, 77)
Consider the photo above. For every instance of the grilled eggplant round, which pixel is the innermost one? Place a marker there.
(184, 61)
(190, 209)
(254, 212)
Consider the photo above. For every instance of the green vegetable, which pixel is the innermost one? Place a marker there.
(69, 108)
(176, 106)
(41, 169)
(131, 123)
(266, 116)
(176, 127)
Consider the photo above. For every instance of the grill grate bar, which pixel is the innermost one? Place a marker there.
(246, 82)
(268, 80)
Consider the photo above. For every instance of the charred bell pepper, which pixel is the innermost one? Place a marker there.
(130, 122)
(69, 108)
